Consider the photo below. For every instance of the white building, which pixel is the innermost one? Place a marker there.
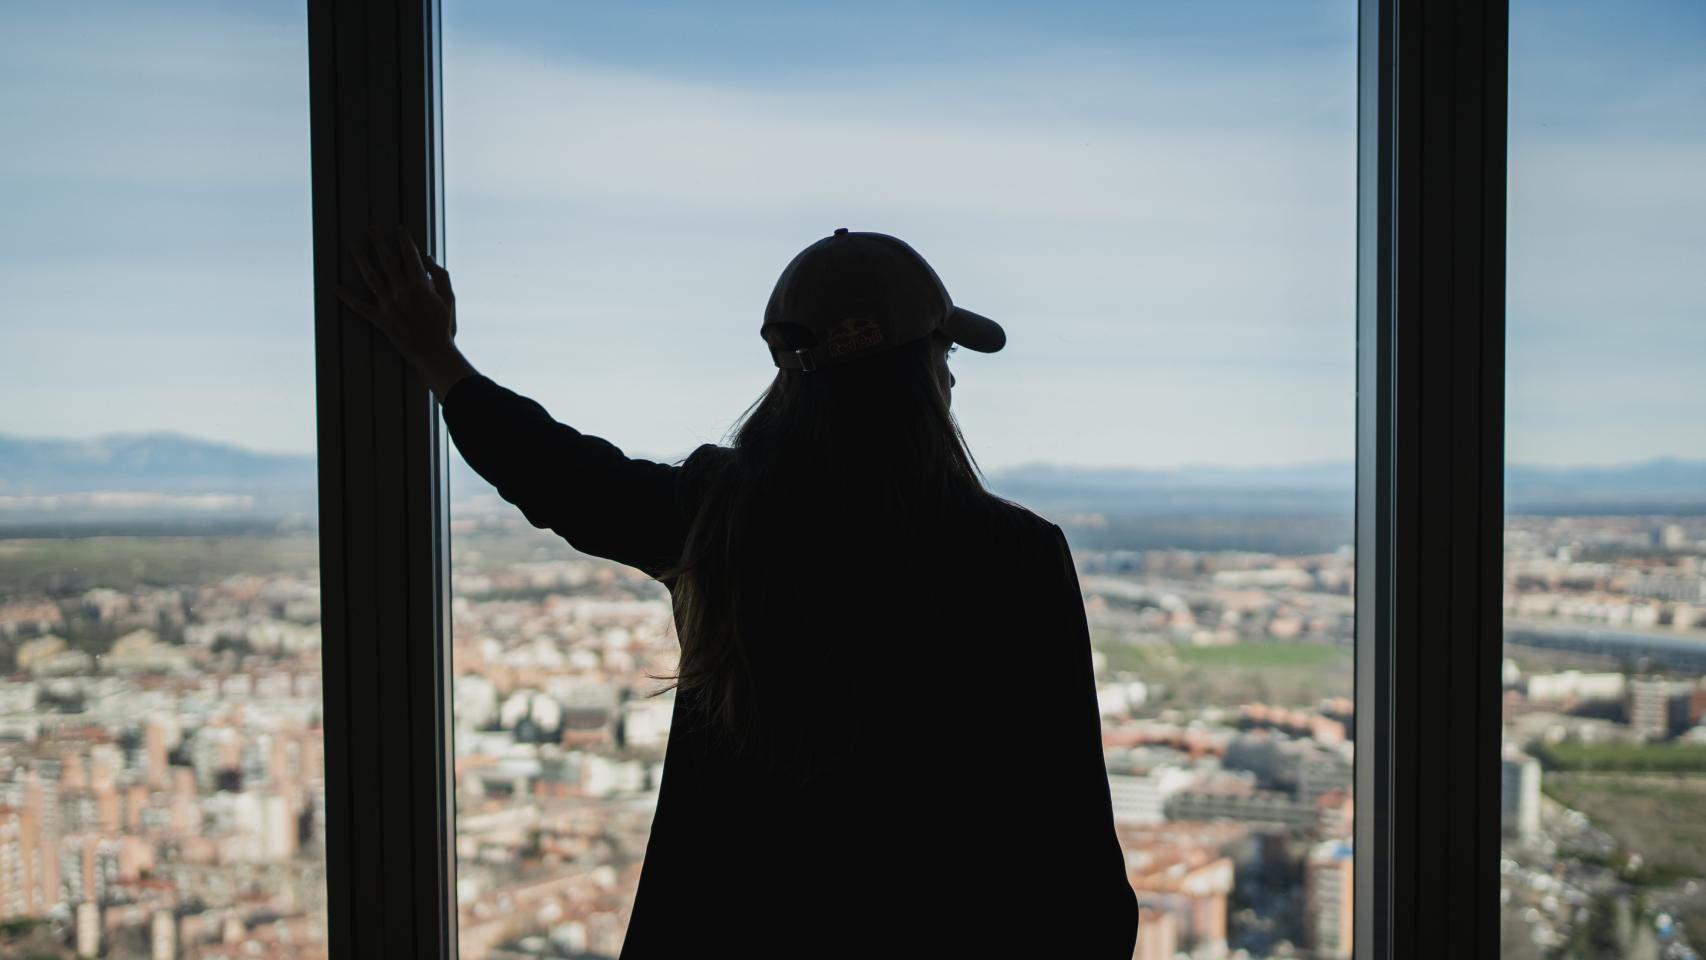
(1328, 883)
(1575, 685)
(646, 721)
(1143, 799)
(88, 929)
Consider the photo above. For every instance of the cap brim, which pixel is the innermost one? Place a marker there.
(974, 331)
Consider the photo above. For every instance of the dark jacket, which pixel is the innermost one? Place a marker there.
(959, 803)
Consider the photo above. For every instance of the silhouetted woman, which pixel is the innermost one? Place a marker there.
(885, 739)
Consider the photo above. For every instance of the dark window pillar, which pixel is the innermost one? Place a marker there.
(383, 537)
(1430, 514)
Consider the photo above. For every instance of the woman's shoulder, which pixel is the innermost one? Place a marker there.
(699, 469)
(1011, 523)
(1011, 513)
(707, 454)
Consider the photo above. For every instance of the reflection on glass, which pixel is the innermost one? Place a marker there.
(161, 784)
(1604, 763)
(1158, 204)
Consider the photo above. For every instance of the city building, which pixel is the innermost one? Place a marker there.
(1329, 882)
(1519, 796)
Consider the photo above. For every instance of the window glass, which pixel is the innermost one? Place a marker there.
(161, 785)
(1604, 754)
(1156, 200)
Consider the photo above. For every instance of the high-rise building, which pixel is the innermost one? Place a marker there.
(164, 936)
(1157, 935)
(41, 843)
(88, 929)
(1191, 884)
(14, 900)
(155, 750)
(1328, 883)
(1519, 796)
(278, 828)
(1649, 706)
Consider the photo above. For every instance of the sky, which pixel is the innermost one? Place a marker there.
(1155, 199)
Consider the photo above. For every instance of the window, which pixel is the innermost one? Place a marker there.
(174, 687)
(1430, 288)
(1159, 204)
(161, 776)
(1604, 762)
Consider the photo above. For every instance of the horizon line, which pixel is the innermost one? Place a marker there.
(1017, 465)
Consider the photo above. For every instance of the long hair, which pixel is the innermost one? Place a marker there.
(853, 460)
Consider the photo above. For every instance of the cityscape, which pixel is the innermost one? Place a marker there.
(1163, 212)
(1604, 773)
(162, 784)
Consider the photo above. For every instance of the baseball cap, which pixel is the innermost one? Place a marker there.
(855, 293)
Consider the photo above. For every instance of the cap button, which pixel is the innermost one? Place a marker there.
(840, 231)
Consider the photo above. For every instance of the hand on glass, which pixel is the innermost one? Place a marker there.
(410, 300)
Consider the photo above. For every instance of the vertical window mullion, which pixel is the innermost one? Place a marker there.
(1430, 475)
(374, 125)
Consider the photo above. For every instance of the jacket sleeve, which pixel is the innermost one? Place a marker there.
(581, 487)
(1096, 887)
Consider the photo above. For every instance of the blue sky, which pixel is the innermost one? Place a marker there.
(1157, 200)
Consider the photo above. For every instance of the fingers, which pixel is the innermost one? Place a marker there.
(440, 281)
(387, 257)
(376, 284)
(388, 265)
(410, 254)
(366, 311)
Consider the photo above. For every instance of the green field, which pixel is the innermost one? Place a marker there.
(61, 567)
(1287, 674)
(1267, 656)
(1624, 757)
(1663, 818)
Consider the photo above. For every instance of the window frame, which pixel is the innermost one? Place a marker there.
(384, 519)
(1432, 85)
(1432, 80)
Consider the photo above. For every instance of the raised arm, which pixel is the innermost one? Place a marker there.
(409, 298)
(582, 487)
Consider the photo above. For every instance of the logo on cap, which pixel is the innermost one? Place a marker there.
(852, 333)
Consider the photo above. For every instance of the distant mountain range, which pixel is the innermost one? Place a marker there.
(121, 480)
(161, 475)
(160, 462)
(1661, 485)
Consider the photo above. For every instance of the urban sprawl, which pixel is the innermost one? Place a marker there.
(162, 787)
